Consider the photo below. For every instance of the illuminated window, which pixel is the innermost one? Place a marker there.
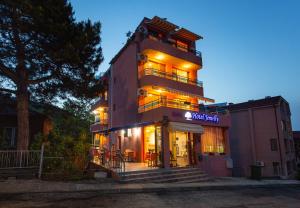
(154, 68)
(212, 140)
(180, 75)
(149, 138)
(105, 95)
(100, 141)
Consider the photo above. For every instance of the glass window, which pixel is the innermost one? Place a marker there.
(149, 139)
(9, 137)
(154, 68)
(274, 146)
(212, 140)
(180, 75)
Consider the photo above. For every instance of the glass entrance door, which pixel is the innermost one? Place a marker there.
(179, 149)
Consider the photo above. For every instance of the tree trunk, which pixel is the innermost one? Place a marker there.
(23, 118)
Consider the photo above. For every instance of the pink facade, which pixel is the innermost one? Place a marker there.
(261, 135)
(133, 117)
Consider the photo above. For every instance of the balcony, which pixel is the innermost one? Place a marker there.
(190, 55)
(175, 77)
(99, 126)
(99, 103)
(163, 102)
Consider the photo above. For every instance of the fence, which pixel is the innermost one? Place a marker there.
(22, 159)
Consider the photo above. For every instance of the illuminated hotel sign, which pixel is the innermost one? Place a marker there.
(201, 116)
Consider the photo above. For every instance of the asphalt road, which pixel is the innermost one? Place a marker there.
(244, 198)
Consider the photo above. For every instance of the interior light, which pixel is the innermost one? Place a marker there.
(186, 66)
(160, 56)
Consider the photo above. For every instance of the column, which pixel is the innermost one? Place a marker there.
(197, 148)
(165, 146)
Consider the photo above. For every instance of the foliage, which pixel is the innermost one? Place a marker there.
(46, 54)
(67, 145)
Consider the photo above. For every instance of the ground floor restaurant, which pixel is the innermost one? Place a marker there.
(174, 144)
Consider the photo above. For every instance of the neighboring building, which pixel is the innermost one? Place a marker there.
(261, 134)
(38, 123)
(296, 136)
(151, 102)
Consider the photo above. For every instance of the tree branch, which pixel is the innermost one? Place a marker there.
(9, 73)
(39, 80)
(7, 90)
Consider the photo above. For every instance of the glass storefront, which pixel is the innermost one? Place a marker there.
(152, 144)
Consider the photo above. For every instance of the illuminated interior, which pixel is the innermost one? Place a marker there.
(179, 148)
(100, 141)
(158, 96)
(212, 140)
(152, 143)
(164, 65)
(149, 138)
(101, 115)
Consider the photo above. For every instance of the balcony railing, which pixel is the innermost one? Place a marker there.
(174, 44)
(168, 103)
(175, 77)
(101, 121)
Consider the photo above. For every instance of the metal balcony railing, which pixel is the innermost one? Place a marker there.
(174, 44)
(171, 76)
(101, 121)
(168, 103)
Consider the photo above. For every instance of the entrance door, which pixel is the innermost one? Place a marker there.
(179, 146)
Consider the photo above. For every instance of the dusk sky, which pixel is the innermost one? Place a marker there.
(251, 49)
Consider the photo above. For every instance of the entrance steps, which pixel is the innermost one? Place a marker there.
(172, 175)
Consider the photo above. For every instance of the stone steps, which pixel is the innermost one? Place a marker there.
(165, 176)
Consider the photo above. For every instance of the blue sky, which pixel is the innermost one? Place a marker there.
(251, 49)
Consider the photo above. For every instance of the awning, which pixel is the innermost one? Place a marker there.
(176, 126)
(127, 127)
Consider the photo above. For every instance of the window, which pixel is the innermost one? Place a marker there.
(274, 146)
(292, 147)
(180, 75)
(105, 95)
(283, 125)
(154, 68)
(212, 141)
(9, 137)
(114, 107)
(115, 80)
(286, 145)
(276, 168)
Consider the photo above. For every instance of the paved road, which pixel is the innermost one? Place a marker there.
(244, 198)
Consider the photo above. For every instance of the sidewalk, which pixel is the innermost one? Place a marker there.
(37, 186)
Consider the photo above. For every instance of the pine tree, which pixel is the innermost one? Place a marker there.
(45, 54)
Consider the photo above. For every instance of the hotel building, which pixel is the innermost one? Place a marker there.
(151, 109)
(261, 135)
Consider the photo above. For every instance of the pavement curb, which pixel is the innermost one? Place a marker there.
(158, 189)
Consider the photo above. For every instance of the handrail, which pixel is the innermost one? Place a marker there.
(168, 103)
(174, 44)
(159, 73)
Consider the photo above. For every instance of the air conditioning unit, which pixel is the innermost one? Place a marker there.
(142, 58)
(260, 163)
(142, 92)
